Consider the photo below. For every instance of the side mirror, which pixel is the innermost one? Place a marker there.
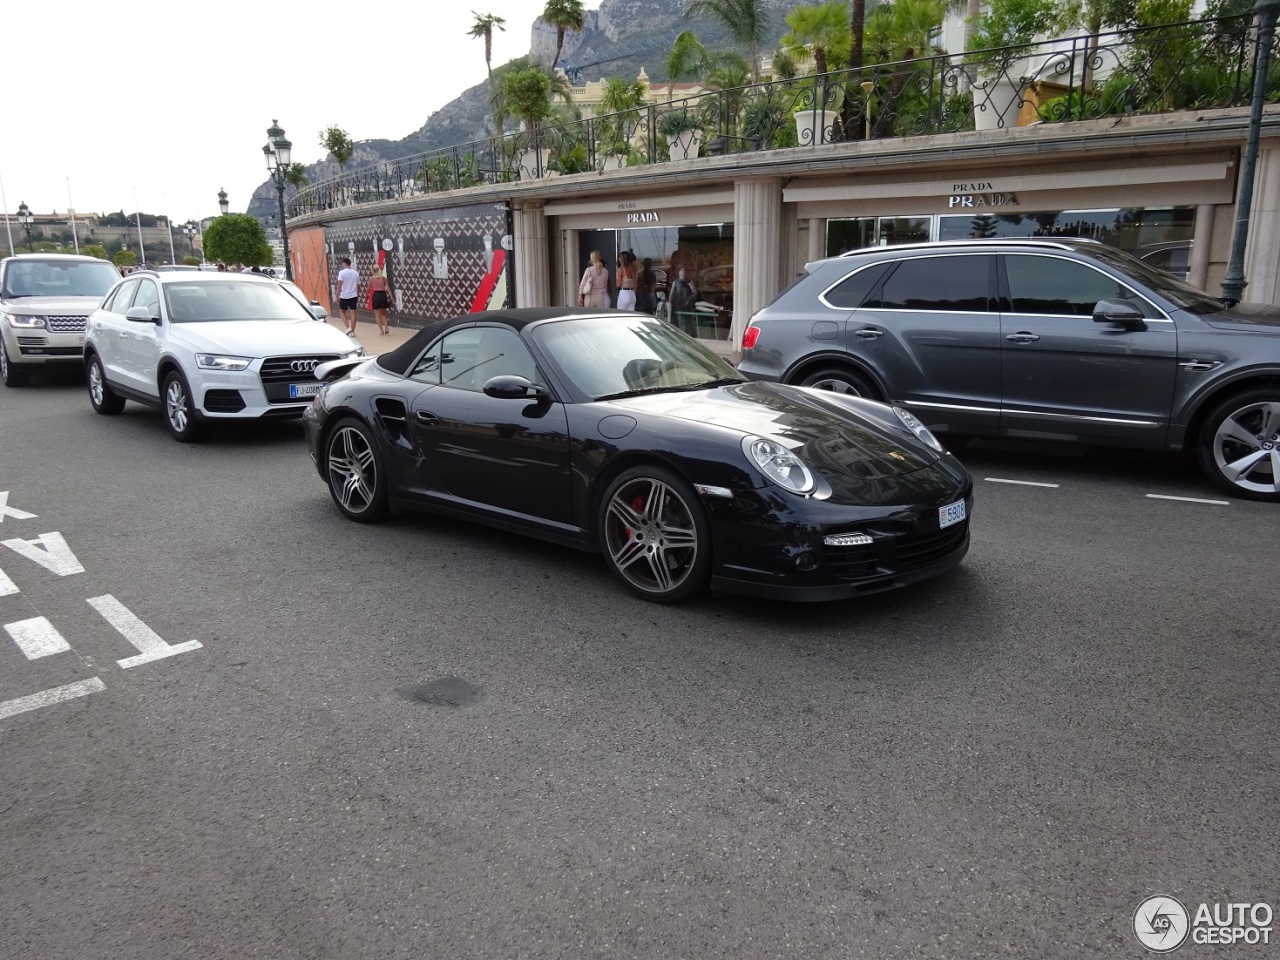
(318, 312)
(511, 387)
(140, 315)
(1117, 311)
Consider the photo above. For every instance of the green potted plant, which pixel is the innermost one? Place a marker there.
(526, 94)
(683, 131)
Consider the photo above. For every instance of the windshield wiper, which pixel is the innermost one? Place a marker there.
(678, 388)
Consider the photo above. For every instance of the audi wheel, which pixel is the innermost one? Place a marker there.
(353, 465)
(105, 400)
(179, 409)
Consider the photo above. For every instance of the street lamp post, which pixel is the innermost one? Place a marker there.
(223, 204)
(25, 218)
(1233, 284)
(278, 154)
(192, 230)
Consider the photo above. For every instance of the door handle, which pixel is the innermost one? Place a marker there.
(1022, 337)
(868, 333)
(427, 419)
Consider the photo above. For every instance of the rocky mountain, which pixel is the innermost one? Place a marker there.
(618, 39)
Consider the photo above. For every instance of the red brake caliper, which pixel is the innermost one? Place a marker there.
(638, 506)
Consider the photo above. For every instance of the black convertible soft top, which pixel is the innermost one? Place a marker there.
(400, 360)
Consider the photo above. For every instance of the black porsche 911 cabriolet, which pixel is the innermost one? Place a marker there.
(615, 432)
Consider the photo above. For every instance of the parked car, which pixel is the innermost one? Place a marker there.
(1064, 340)
(1173, 257)
(45, 300)
(615, 432)
(206, 346)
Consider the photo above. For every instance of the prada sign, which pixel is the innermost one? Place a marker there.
(644, 216)
(978, 194)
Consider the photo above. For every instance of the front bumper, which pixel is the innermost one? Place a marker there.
(771, 544)
(38, 346)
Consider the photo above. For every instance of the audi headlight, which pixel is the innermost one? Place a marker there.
(26, 323)
(912, 423)
(779, 464)
(216, 361)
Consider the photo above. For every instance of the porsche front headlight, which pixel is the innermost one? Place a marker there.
(779, 464)
(925, 435)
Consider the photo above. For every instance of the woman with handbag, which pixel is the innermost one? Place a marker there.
(593, 289)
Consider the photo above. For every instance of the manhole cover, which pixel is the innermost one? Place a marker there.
(441, 692)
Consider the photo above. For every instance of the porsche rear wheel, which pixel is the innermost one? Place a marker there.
(654, 535)
(357, 480)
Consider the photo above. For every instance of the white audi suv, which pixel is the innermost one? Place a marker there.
(207, 346)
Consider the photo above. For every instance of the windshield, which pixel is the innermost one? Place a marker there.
(615, 357)
(1175, 291)
(58, 278)
(207, 301)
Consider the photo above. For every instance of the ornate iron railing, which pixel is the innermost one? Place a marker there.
(1196, 65)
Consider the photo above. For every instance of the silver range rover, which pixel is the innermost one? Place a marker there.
(45, 300)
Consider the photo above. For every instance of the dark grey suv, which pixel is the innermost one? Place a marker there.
(1037, 339)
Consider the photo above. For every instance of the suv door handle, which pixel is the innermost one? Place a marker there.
(868, 333)
(1022, 337)
(427, 419)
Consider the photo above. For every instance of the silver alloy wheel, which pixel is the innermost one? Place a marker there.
(175, 404)
(4, 362)
(651, 536)
(836, 386)
(96, 390)
(353, 474)
(1246, 447)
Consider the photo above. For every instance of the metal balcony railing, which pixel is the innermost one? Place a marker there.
(1200, 64)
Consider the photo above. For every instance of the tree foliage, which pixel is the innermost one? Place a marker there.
(564, 15)
(339, 143)
(296, 175)
(237, 238)
(526, 94)
(822, 29)
(483, 29)
(94, 250)
(125, 258)
(687, 60)
(746, 20)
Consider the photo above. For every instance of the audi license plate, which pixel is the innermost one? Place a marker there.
(951, 513)
(297, 390)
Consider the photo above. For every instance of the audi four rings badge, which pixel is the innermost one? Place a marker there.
(304, 366)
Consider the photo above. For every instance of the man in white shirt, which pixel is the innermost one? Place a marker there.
(348, 285)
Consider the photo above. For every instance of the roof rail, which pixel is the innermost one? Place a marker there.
(1053, 243)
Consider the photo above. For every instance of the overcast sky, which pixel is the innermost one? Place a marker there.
(173, 100)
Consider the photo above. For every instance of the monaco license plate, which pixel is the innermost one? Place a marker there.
(297, 390)
(951, 513)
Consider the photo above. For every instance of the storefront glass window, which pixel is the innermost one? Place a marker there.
(846, 235)
(702, 306)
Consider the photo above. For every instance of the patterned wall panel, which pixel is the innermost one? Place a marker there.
(441, 262)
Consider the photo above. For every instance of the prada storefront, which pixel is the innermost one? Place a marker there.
(683, 245)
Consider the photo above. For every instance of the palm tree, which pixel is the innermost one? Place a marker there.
(686, 61)
(620, 99)
(746, 20)
(823, 29)
(483, 27)
(564, 15)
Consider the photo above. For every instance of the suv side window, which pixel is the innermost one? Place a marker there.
(1055, 286)
(123, 298)
(849, 293)
(950, 284)
(149, 297)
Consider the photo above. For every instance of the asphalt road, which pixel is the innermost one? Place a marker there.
(1001, 763)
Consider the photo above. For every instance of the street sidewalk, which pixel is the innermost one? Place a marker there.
(369, 338)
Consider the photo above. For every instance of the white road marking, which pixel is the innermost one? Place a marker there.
(8, 511)
(49, 550)
(1216, 503)
(47, 698)
(7, 586)
(37, 637)
(151, 646)
(1021, 483)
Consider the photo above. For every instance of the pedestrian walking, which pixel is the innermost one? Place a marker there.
(593, 289)
(646, 297)
(348, 287)
(380, 289)
(626, 280)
